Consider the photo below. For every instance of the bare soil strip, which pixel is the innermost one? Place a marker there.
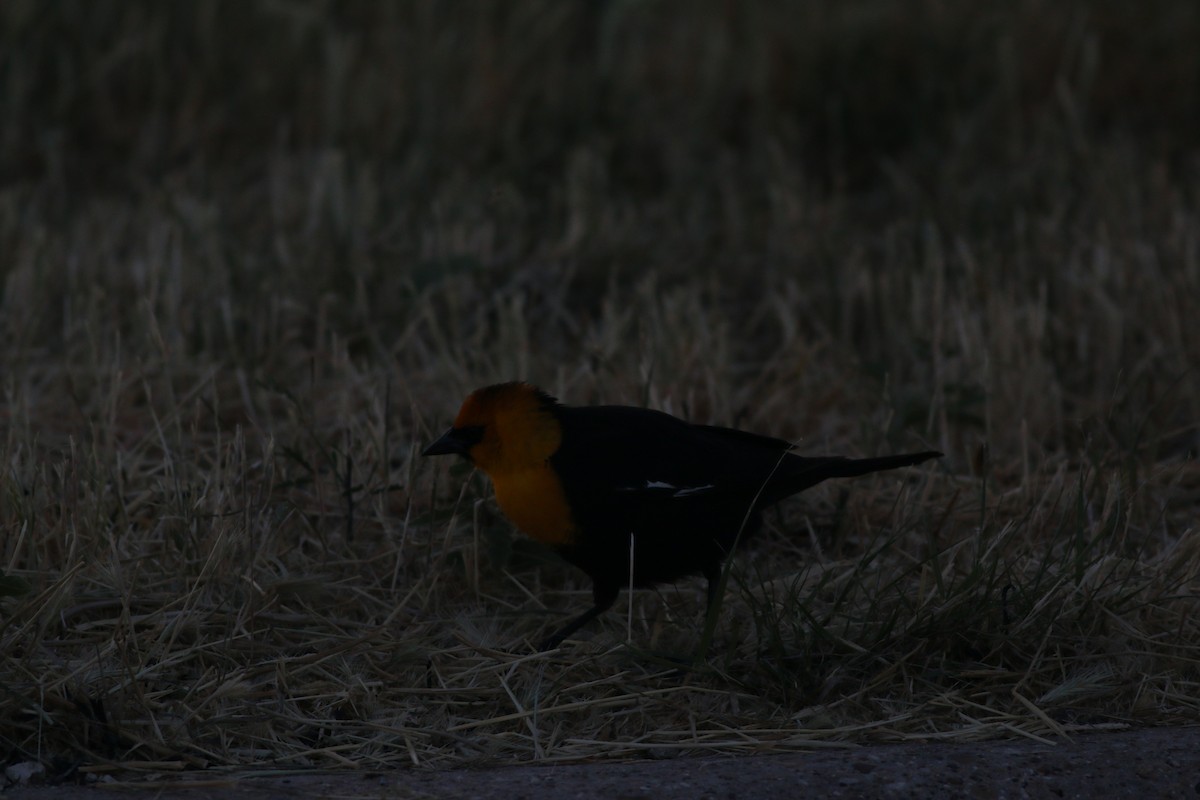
(1161, 762)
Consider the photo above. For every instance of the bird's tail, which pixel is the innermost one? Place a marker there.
(799, 473)
(853, 467)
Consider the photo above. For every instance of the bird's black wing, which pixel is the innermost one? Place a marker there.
(624, 456)
(683, 491)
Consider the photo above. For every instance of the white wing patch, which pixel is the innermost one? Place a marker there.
(676, 491)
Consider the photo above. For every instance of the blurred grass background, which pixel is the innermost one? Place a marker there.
(257, 252)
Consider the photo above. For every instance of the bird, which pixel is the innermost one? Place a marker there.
(606, 485)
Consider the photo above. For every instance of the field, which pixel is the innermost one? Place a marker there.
(257, 253)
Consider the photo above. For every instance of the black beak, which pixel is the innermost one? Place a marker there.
(455, 441)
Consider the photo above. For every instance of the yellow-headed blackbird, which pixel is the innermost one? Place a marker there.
(585, 480)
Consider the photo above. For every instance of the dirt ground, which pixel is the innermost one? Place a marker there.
(1144, 764)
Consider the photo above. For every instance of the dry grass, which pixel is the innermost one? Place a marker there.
(256, 258)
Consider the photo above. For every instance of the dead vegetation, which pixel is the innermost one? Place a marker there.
(258, 254)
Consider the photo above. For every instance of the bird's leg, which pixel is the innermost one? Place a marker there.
(603, 596)
(712, 573)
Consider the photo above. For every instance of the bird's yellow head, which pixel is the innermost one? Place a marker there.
(503, 428)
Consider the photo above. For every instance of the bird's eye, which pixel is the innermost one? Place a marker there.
(470, 436)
